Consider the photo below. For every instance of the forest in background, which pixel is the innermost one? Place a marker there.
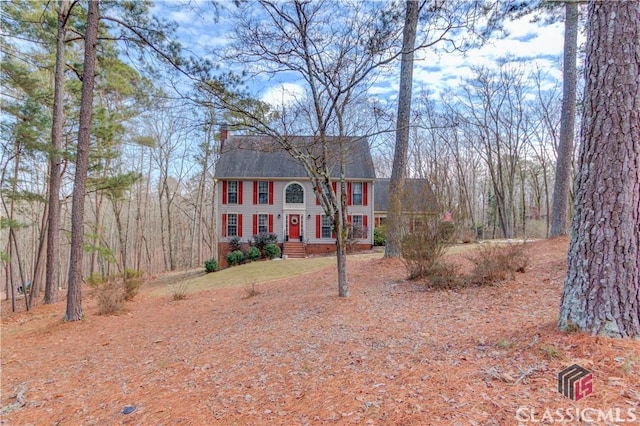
(489, 149)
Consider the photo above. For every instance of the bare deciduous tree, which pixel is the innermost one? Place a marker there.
(494, 106)
(335, 52)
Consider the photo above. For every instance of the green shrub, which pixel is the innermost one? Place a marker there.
(96, 279)
(235, 258)
(211, 265)
(235, 244)
(263, 238)
(272, 251)
(380, 235)
(253, 253)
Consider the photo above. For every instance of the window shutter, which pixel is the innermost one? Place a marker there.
(255, 192)
(240, 192)
(318, 195)
(224, 224)
(318, 226)
(270, 193)
(365, 193)
(270, 223)
(349, 193)
(350, 219)
(239, 225)
(224, 192)
(335, 189)
(365, 221)
(255, 224)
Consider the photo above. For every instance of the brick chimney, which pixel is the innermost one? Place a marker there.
(224, 134)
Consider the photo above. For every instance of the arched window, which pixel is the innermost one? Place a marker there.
(294, 194)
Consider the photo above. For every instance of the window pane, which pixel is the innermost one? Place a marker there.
(263, 192)
(232, 192)
(232, 225)
(357, 229)
(357, 193)
(263, 223)
(326, 227)
(294, 194)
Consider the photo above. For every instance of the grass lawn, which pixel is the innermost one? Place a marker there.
(261, 272)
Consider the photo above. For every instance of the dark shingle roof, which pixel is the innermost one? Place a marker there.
(260, 156)
(418, 196)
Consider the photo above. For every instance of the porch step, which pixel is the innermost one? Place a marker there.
(294, 249)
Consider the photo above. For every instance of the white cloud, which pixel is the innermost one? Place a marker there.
(283, 94)
(533, 43)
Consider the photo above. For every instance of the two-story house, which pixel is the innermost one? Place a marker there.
(261, 188)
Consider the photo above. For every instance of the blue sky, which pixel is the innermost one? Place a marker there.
(536, 43)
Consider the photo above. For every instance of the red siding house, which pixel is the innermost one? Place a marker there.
(260, 188)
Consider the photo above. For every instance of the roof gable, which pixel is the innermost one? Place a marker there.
(418, 196)
(260, 156)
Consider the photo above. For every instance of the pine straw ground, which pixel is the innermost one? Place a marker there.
(393, 353)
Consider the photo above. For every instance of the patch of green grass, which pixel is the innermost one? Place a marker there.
(258, 272)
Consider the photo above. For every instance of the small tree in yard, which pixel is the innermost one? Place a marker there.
(422, 249)
(602, 290)
(335, 51)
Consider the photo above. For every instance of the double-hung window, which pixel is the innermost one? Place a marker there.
(263, 192)
(232, 225)
(326, 227)
(263, 223)
(356, 196)
(232, 192)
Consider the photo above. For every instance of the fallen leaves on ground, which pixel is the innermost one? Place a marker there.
(393, 353)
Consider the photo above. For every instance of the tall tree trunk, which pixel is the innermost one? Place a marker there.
(53, 221)
(399, 170)
(340, 223)
(96, 238)
(74, 292)
(39, 268)
(559, 208)
(602, 289)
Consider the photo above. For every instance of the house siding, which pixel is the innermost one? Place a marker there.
(308, 212)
